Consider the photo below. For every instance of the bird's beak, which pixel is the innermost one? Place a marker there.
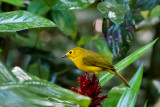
(64, 56)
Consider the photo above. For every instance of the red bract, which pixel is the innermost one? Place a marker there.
(89, 86)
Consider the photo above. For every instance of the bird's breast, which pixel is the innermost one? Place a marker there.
(86, 68)
(80, 65)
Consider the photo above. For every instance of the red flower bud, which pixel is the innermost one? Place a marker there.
(89, 86)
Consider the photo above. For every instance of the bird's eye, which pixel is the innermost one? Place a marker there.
(70, 52)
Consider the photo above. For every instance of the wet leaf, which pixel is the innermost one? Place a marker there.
(66, 21)
(126, 62)
(129, 96)
(20, 89)
(115, 12)
(72, 4)
(14, 2)
(119, 31)
(123, 96)
(118, 36)
(114, 94)
(20, 20)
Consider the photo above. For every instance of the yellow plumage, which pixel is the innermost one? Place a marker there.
(89, 61)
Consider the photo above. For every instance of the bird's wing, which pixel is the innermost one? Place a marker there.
(97, 61)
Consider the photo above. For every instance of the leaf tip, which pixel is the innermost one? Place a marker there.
(155, 40)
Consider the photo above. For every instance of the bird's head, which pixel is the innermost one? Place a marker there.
(73, 53)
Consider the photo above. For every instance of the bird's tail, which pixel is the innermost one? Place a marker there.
(120, 77)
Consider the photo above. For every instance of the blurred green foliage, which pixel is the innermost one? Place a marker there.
(66, 21)
(14, 2)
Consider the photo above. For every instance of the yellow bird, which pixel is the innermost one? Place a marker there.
(89, 61)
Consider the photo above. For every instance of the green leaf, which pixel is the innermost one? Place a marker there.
(14, 2)
(145, 105)
(19, 89)
(126, 62)
(72, 4)
(41, 7)
(142, 5)
(84, 40)
(103, 49)
(155, 12)
(30, 41)
(50, 3)
(129, 96)
(118, 36)
(124, 95)
(20, 20)
(66, 21)
(0, 50)
(114, 94)
(38, 7)
(115, 12)
(40, 71)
